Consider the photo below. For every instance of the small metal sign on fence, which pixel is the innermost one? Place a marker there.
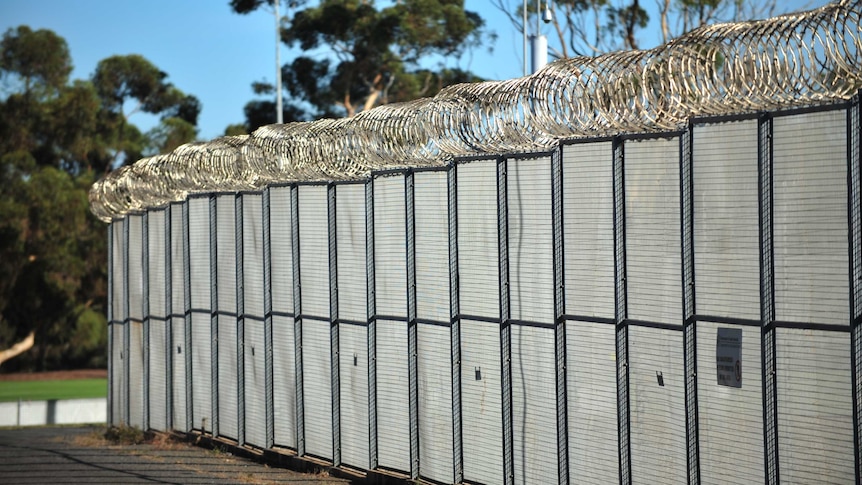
(728, 357)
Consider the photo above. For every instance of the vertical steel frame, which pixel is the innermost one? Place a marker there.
(126, 322)
(297, 322)
(455, 321)
(559, 312)
(267, 322)
(854, 159)
(412, 344)
(169, 321)
(505, 323)
(187, 312)
(334, 344)
(767, 300)
(372, 324)
(214, 406)
(686, 201)
(621, 312)
(145, 312)
(110, 353)
(239, 261)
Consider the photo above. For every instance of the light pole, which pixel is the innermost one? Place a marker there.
(279, 115)
(538, 42)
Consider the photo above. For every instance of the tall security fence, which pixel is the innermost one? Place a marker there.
(648, 271)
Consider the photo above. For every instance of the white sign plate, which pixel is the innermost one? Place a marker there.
(728, 357)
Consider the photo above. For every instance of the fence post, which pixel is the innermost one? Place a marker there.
(559, 312)
(854, 141)
(372, 324)
(267, 322)
(297, 322)
(240, 320)
(169, 322)
(767, 300)
(187, 316)
(126, 324)
(145, 313)
(688, 305)
(621, 312)
(455, 320)
(505, 324)
(110, 352)
(214, 401)
(412, 352)
(334, 344)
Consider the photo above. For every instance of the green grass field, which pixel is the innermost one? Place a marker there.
(46, 390)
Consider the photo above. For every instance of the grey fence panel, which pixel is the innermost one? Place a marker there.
(588, 229)
(116, 302)
(726, 244)
(353, 357)
(136, 374)
(810, 214)
(481, 400)
(135, 314)
(255, 398)
(350, 238)
(252, 257)
(731, 418)
(225, 274)
(179, 346)
(200, 312)
(657, 400)
(314, 277)
(284, 382)
(815, 406)
(281, 238)
(534, 410)
(434, 365)
(118, 381)
(158, 345)
(653, 266)
(117, 269)
(201, 348)
(157, 270)
(253, 320)
(390, 259)
(478, 265)
(159, 342)
(592, 402)
(136, 266)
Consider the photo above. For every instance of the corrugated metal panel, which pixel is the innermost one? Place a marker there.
(730, 418)
(534, 403)
(317, 386)
(178, 377)
(434, 367)
(531, 258)
(353, 364)
(284, 382)
(592, 402)
(588, 232)
(156, 254)
(478, 269)
(201, 371)
(255, 384)
(282, 250)
(350, 237)
(390, 241)
(815, 406)
(653, 271)
(314, 251)
(199, 252)
(178, 287)
(657, 411)
(226, 253)
(431, 202)
(252, 247)
(481, 406)
(158, 375)
(726, 220)
(117, 273)
(118, 382)
(136, 266)
(810, 218)
(136, 374)
(227, 377)
(393, 408)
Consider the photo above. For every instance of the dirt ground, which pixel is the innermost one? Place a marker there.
(60, 375)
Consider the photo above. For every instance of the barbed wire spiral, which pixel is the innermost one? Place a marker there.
(790, 60)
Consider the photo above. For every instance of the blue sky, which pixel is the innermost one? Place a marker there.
(213, 53)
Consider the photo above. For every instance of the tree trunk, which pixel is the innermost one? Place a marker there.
(19, 348)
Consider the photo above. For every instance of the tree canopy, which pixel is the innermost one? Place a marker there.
(56, 137)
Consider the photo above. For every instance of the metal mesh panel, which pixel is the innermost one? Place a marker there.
(435, 402)
(432, 246)
(815, 406)
(350, 240)
(810, 214)
(227, 376)
(317, 388)
(159, 344)
(118, 381)
(156, 263)
(136, 374)
(178, 377)
(313, 250)
(201, 371)
(726, 255)
(135, 268)
(199, 252)
(390, 257)
(252, 261)
(657, 399)
(226, 253)
(481, 402)
(588, 231)
(531, 258)
(592, 403)
(393, 408)
(653, 269)
(255, 398)
(477, 237)
(178, 289)
(284, 381)
(281, 238)
(534, 405)
(117, 270)
(353, 357)
(730, 418)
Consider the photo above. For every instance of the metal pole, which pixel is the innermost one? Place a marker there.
(279, 115)
(525, 37)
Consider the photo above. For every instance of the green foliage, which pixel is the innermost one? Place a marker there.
(40, 58)
(47, 390)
